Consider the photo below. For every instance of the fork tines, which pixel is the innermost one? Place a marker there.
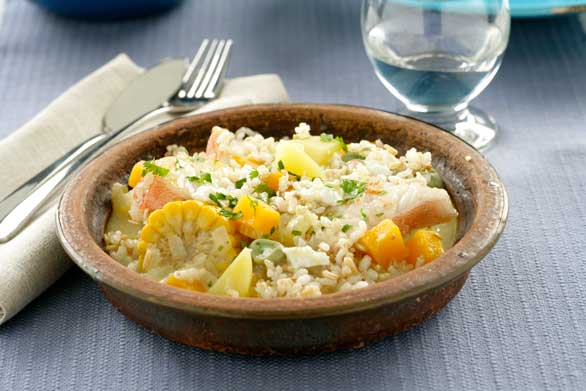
(201, 80)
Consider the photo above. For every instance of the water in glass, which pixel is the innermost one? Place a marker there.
(436, 59)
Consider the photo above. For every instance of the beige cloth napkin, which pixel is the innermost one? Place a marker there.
(34, 260)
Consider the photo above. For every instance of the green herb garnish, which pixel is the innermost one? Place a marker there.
(346, 228)
(253, 203)
(351, 189)
(253, 174)
(342, 143)
(352, 156)
(296, 233)
(280, 165)
(154, 169)
(363, 214)
(326, 138)
(223, 200)
(240, 182)
(230, 214)
(204, 177)
(379, 214)
(264, 188)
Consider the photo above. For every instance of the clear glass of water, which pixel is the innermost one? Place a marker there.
(435, 56)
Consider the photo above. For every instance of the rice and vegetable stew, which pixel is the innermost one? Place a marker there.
(298, 217)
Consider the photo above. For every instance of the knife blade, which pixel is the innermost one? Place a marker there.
(145, 93)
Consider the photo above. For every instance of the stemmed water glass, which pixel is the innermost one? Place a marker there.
(435, 56)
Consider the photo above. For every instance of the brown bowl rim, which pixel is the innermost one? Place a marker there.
(483, 233)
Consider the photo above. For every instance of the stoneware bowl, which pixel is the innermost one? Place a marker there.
(287, 326)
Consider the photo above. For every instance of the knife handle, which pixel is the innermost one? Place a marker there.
(17, 209)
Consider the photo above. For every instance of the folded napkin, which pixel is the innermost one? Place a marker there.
(34, 260)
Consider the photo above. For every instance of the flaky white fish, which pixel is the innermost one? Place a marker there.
(410, 205)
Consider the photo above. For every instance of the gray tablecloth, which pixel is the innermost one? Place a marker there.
(520, 321)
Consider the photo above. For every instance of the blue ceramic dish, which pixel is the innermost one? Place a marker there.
(539, 8)
(106, 9)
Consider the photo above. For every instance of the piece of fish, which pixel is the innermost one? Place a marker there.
(159, 193)
(410, 205)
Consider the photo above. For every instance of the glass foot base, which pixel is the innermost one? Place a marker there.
(474, 126)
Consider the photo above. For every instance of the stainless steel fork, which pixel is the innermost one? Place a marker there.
(201, 83)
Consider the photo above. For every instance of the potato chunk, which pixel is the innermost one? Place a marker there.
(319, 149)
(237, 277)
(296, 161)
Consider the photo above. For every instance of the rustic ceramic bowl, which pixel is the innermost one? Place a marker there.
(287, 326)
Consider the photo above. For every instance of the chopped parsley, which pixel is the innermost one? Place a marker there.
(296, 233)
(351, 189)
(346, 228)
(280, 165)
(253, 203)
(154, 169)
(263, 188)
(342, 143)
(204, 177)
(363, 214)
(240, 182)
(326, 138)
(223, 200)
(253, 174)
(352, 156)
(178, 164)
(380, 214)
(230, 214)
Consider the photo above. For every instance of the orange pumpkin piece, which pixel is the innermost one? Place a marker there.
(159, 194)
(242, 161)
(384, 243)
(136, 174)
(183, 284)
(426, 244)
(272, 180)
(258, 218)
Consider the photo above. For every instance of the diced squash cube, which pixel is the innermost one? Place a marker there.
(384, 243)
(426, 244)
(193, 285)
(136, 174)
(296, 161)
(237, 277)
(159, 194)
(272, 180)
(320, 151)
(258, 218)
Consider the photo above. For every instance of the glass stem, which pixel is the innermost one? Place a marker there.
(446, 119)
